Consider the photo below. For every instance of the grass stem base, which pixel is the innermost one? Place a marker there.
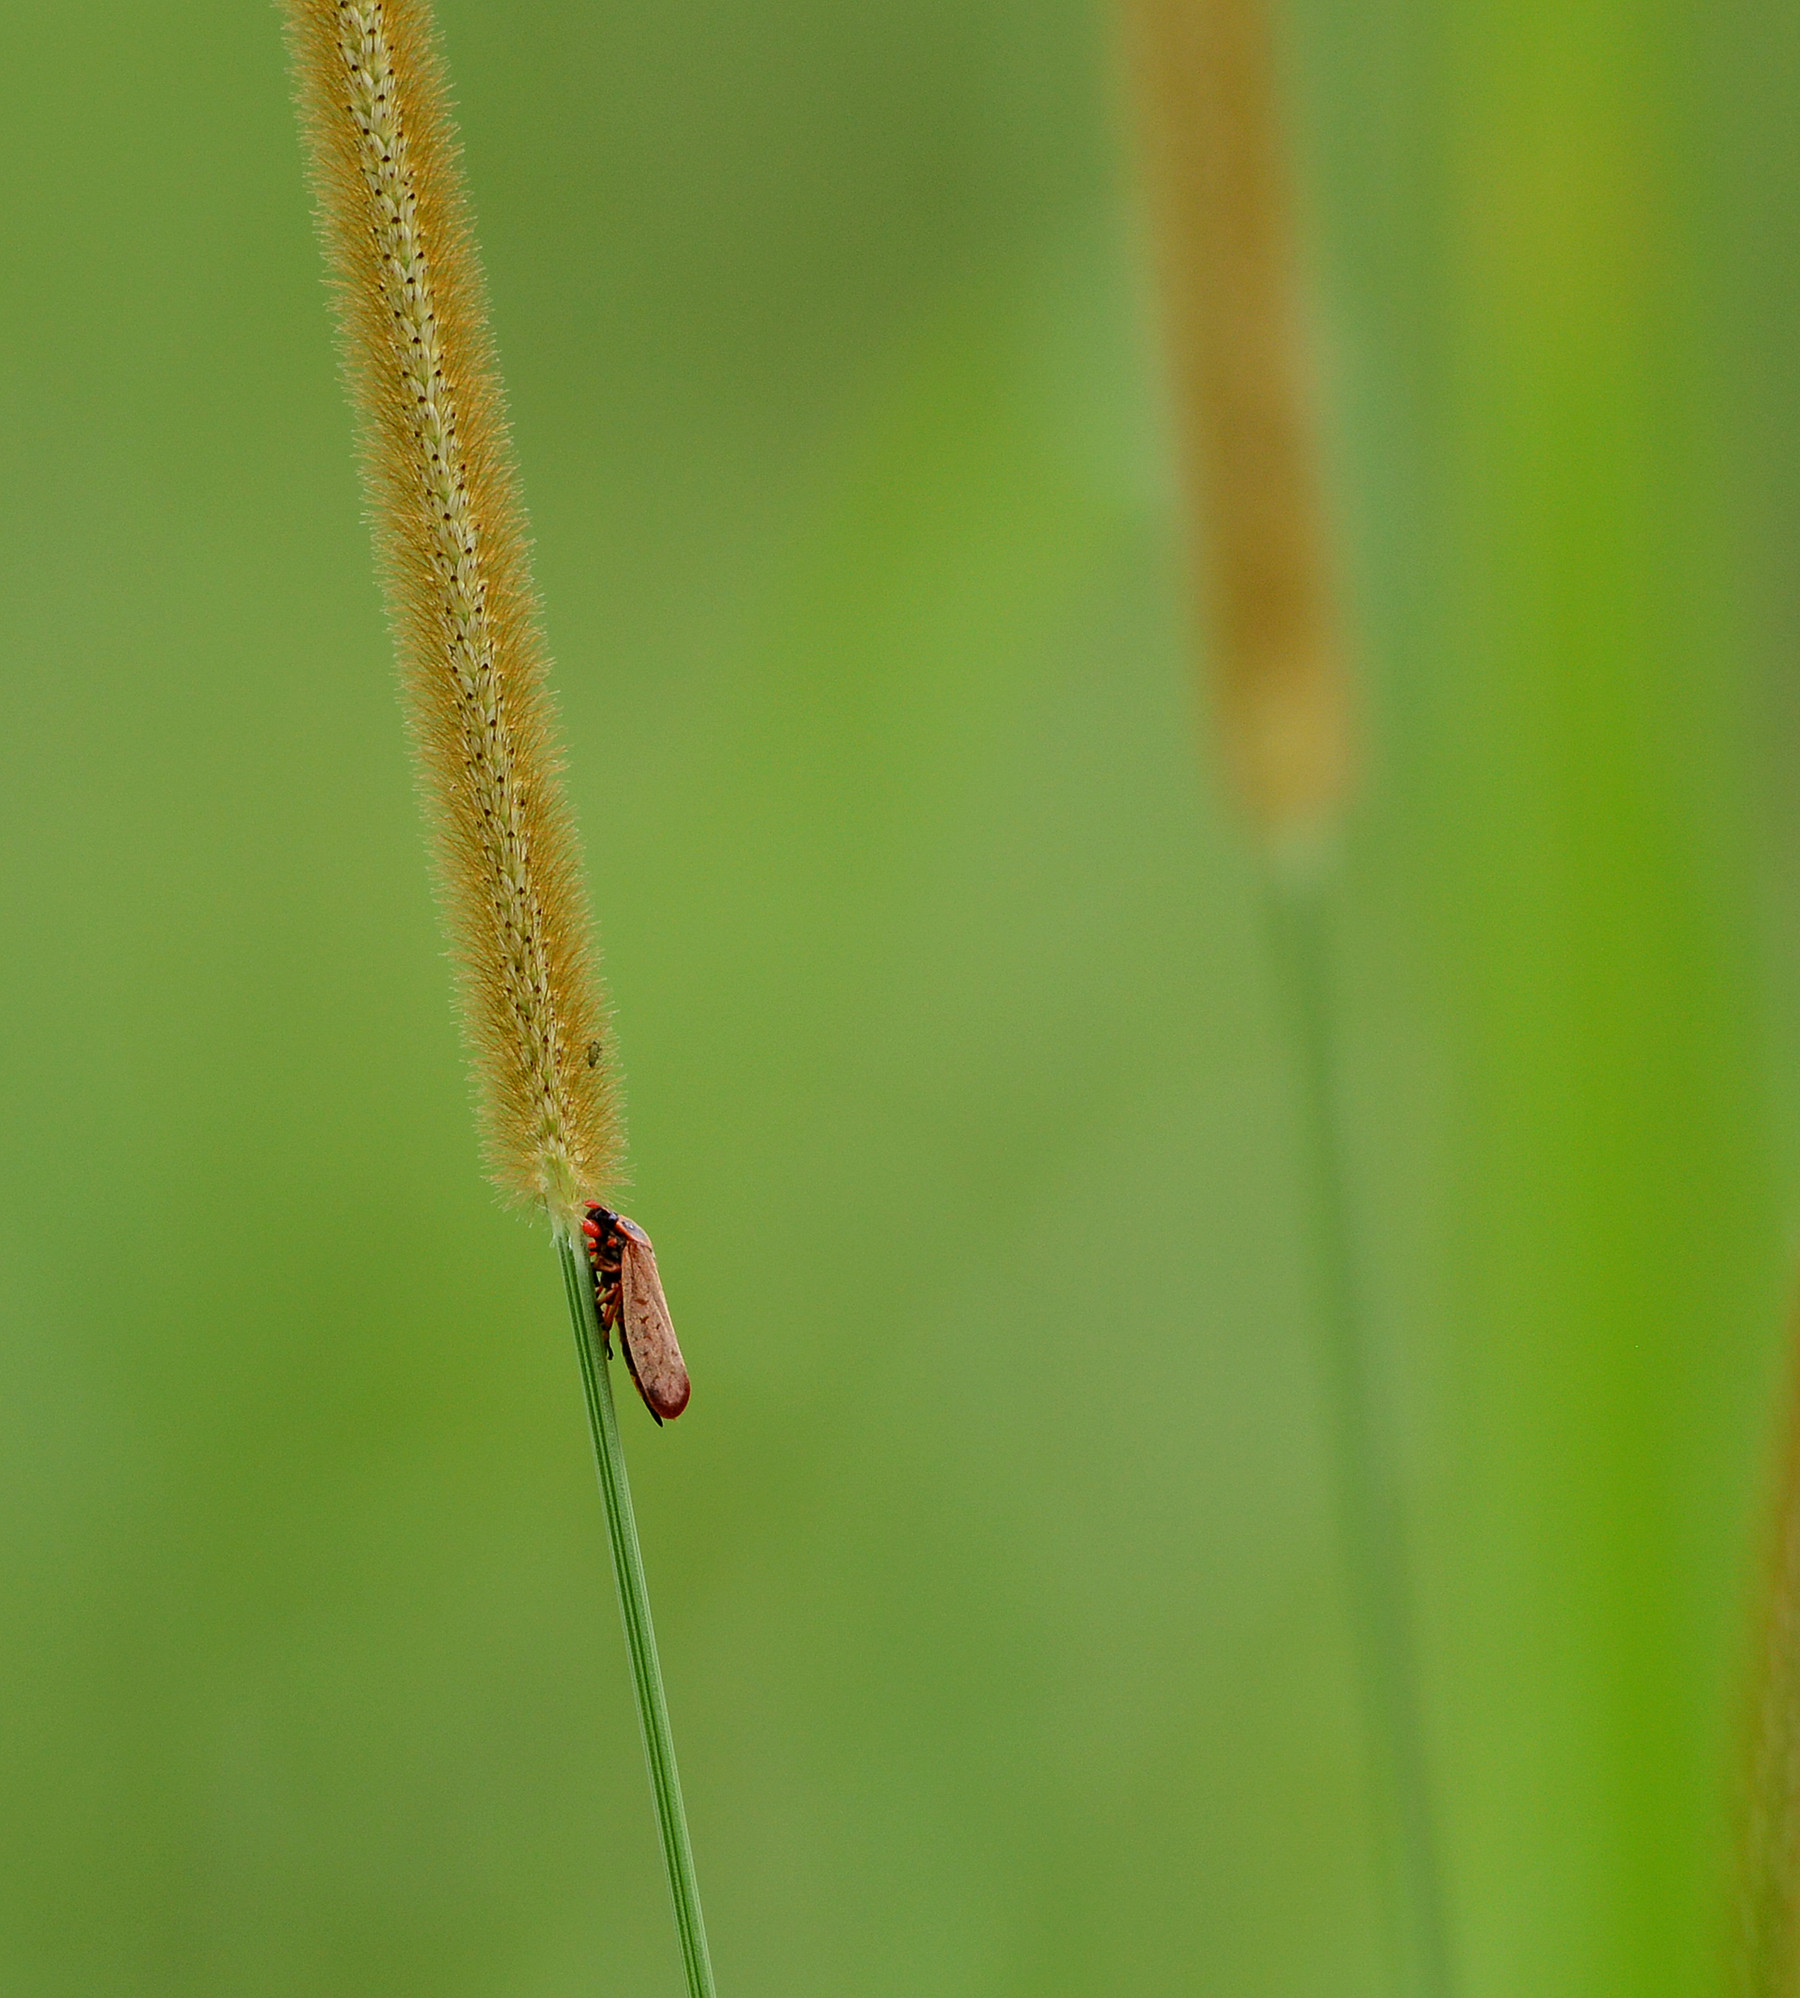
(634, 1609)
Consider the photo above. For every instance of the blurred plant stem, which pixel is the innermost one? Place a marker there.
(634, 1608)
(1768, 1911)
(1218, 177)
(1301, 906)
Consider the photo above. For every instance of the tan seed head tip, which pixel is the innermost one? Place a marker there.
(1287, 738)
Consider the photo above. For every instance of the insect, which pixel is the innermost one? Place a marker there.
(630, 1295)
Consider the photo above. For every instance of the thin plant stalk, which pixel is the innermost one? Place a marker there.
(1371, 1513)
(634, 1609)
(1216, 167)
(1766, 1943)
(454, 554)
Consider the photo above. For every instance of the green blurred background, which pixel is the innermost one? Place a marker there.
(994, 1562)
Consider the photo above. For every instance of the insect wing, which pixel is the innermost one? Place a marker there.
(649, 1336)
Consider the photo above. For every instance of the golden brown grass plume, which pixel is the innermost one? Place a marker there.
(1213, 149)
(451, 540)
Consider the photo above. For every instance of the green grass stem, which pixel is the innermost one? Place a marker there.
(634, 1609)
(1368, 1495)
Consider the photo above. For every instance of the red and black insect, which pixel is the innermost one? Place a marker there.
(630, 1296)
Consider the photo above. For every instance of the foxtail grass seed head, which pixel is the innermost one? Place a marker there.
(450, 536)
(1214, 161)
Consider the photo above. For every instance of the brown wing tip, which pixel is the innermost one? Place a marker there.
(669, 1399)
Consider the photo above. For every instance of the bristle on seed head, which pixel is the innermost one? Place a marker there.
(451, 539)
